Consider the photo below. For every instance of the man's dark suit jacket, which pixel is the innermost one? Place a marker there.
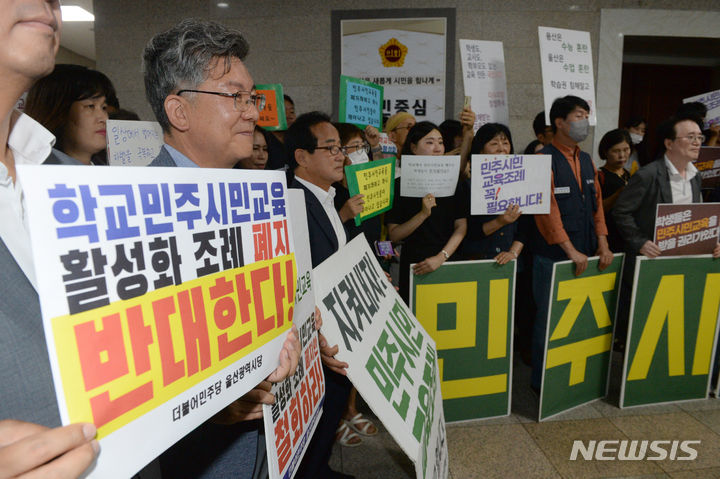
(323, 240)
(635, 208)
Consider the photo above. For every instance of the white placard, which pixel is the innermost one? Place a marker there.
(497, 181)
(133, 143)
(567, 67)
(392, 360)
(712, 101)
(163, 301)
(429, 174)
(483, 66)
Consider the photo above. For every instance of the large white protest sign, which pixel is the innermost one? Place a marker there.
(567, 67)
(291, 421)
(162, 302)
(712, 101)
(429, 174)
(392, 360)
(497, 181)
(133, 143)
(483, 66)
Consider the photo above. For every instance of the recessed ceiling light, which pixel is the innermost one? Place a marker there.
(223, 4)
(73, 13)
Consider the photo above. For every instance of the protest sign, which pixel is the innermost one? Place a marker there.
(501, 180)
(567, 67)
(708, 166)
(162, 302)
(687, 229)
(578, 339)
(407, 56)
(360, 102)
(392, 360)
(133, 143)
(388, 147)
(467, 308)
(672, 330)
(712, 101)
(375, 180)
(272, 117)
(291, 421)
(429, 174)
(483, 67)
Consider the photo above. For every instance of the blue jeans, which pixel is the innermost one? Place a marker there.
(542, 276)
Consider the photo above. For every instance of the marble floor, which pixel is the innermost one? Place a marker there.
(517, 446)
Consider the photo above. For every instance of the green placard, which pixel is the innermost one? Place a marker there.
(467, 308)
(578, 342)
(375, 180)
(360, 102)
(672, 330)
(272, 117)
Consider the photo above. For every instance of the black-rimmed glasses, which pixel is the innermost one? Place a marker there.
(242, 99)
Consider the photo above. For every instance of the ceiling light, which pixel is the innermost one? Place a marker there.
(223, 4)
(73, 13)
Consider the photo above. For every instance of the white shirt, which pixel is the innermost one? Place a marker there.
(326, 199)
(31, 145)
(681, 187)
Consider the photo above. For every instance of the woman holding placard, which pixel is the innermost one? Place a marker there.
(431, 227)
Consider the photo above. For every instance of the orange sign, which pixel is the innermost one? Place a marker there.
(272, 116)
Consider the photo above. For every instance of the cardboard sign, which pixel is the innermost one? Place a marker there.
(708, 166)
(291, 421)
(687, 229)
(392, 360)
(501, 180)
(712, 101)
(375, 180)
(578, 340)
(429, 174)
(672, 331)
(567, 67)
(133, 143)
(162, 302)
(467, 308)
(272, 117)
(360, 102)
(483, 67)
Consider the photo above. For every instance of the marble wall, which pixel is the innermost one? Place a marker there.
(291, 42)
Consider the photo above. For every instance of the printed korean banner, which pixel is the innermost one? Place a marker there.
(672, 330)
(483, 67)
(291, 421)
(360, 102)
(708, 165)
(162, 302)
(712, 101)
(405, 56)
(567, 67)
(375, 180)
(133, 143)
(392, 360)
(467, 308)
(388, 147)
(687, 229)
(429, 174)
(499, 181)
(578, 344)
(272, 117)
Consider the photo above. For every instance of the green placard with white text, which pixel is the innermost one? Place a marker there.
(672, 330)
(360, 102)
(467, 308)
(375, 180)
(578, 341)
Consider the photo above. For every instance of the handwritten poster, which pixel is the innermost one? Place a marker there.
(162, 301)
(360, 102)
(483, 66)
(375, 180)
(687, 229)
(567, 67)
(133, 143)
(501, 180)
(272, 117)
(712, 101)
(429, 174)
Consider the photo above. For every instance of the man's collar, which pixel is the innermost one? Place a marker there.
(316, 190)
(180, 159)
(30, 142)
(565, 149)
(690, 170)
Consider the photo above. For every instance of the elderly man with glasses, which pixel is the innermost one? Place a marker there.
(204, 98)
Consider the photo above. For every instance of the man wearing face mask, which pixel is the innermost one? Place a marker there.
(575, 227)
